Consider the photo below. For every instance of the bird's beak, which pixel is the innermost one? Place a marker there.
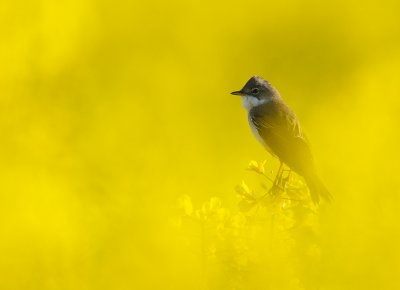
(238, 93)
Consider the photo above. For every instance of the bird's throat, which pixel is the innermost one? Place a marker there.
(249, 102)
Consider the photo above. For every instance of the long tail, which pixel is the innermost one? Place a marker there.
(317, 189)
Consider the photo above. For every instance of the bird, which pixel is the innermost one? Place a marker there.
(278, 129)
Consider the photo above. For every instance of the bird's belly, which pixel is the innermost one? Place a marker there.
(259, 139)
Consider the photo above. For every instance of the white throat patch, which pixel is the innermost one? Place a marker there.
(250, 102)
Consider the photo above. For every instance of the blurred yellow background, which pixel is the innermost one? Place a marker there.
(111, 110)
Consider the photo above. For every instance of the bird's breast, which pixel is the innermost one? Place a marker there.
(249, 102)
(258, 136)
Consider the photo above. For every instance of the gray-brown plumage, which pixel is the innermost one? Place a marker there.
(277, 128)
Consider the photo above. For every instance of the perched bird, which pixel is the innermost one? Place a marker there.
(277, 128)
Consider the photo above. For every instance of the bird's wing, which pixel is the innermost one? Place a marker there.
(281, 131)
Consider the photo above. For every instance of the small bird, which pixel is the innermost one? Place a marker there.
(277, 128)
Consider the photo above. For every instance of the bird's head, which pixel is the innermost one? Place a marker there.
(255, 92)
(258, 88)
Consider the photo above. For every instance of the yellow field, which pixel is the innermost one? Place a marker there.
(121, 147)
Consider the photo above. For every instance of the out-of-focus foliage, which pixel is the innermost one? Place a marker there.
(111, 110)
(270, 243)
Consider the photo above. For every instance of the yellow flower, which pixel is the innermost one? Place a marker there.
(185, 203)
(257, 167)
(244, 191)
(211, 206)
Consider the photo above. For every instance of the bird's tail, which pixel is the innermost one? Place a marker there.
(317, 189)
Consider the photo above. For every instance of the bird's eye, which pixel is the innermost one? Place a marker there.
(254, 91)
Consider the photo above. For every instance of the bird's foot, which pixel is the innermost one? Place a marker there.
(275, 190)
